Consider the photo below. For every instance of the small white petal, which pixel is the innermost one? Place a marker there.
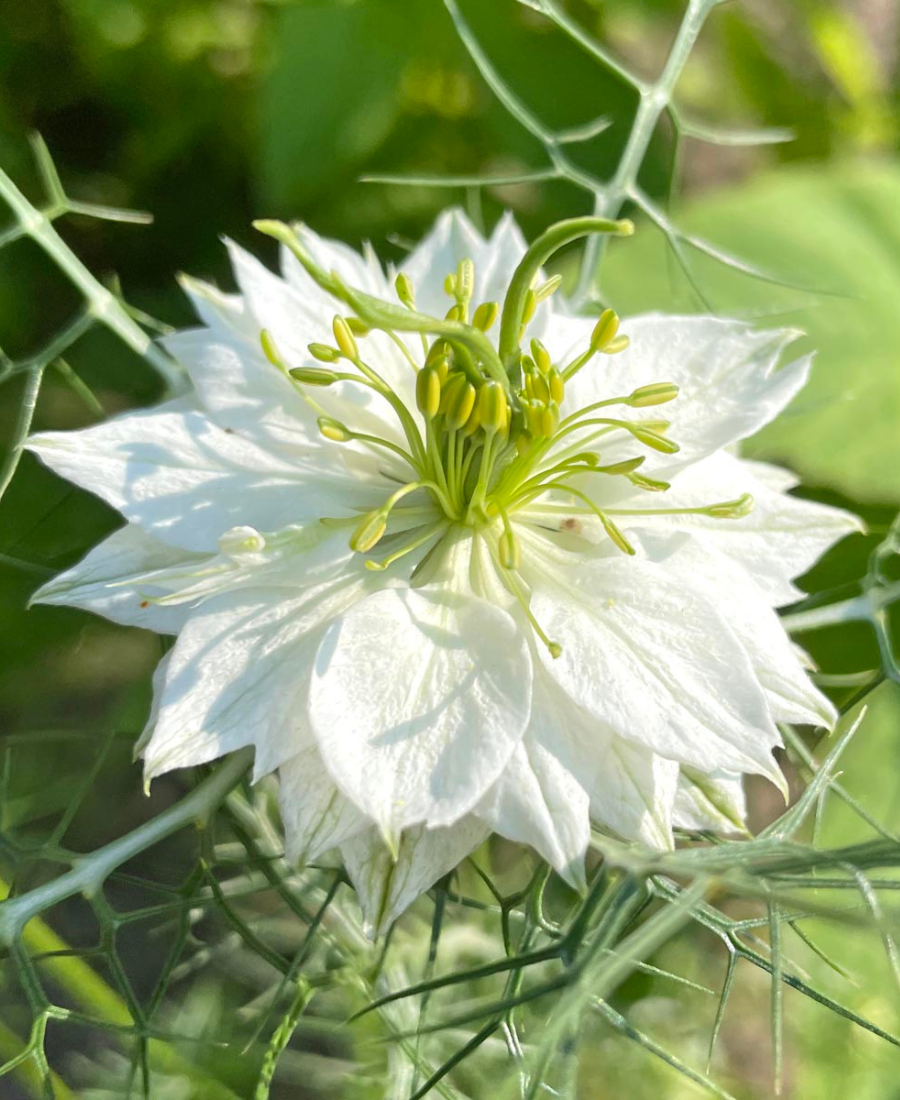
(716, 801)
(316, 816)
(418, 699)
(537, 801)
(242, 391)
(363, 272)
(451, 239)
(385, 886)
(186, 481)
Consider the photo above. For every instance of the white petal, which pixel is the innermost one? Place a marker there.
(186, 481)
(316, 816)
(418, 700)
(451, 239)
(630, 789)
(725, 370)
(656, 662)
(633, 793)
(294, 320)
(780, 539)
(106, 581)
(792, 695)
(239, 675)
(242, 391)
(715, 801)
(385, 886)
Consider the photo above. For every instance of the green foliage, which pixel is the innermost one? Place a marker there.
(834, 231)
(177, 960)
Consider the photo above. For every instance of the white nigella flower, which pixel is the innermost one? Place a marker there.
(447, 586)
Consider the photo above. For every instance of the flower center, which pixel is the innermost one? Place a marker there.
(494, 439)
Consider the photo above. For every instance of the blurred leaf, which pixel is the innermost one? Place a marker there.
(836, 229)
(328, 100)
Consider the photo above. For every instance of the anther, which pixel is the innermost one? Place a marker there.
(615, 534)
(550, 287)
(731, 509)
(465, 280)
(457, 400)
(654, 440)
(324, 353)
(485, 316)
(628, 466)
(556, 384)
(369, 531)
(508, 550)
(541, 357)
(269, 349)
(537, 386)
(656, 394)
(614, 346)
(404, 287)
(605, 330)
(344, 339)
(649, 484)
(428, 392)
(313, 376)
(492, 408)
(241, 540)
(334, 430)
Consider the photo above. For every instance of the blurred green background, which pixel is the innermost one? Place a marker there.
(209, 114)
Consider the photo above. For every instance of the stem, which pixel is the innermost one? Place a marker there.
(654, 99)
(102, 305)
(92, 870)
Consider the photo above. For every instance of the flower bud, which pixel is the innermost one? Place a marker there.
(357, 327)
